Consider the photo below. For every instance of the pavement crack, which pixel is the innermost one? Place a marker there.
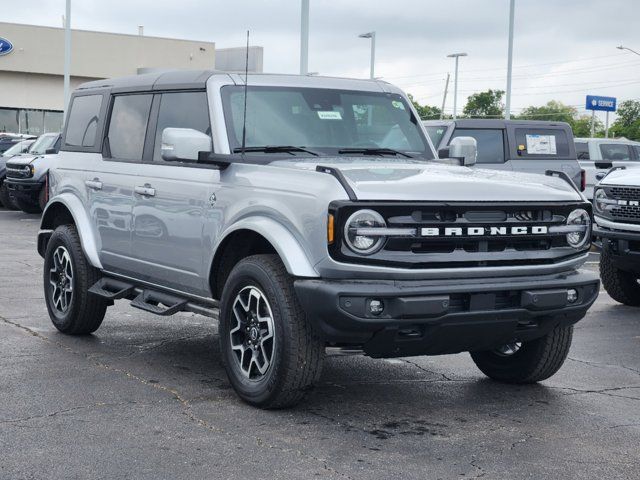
(426, 370)
(603, 391)
(604, 365)
(67, 410)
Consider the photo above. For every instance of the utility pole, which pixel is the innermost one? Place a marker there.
(444, 97)
(606, 128)
(304, 38)
(593, 122)
(507, 112)
(455, 82)
(372, 36)
(67, 60)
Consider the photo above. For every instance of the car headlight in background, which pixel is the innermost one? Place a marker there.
(581, 221)
(359, 234)
(29, 170)
(600, 200)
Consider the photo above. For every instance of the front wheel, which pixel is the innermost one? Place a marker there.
(622, 286)
(271, 352)
(27, 206)
(526, 362)
(6, 199)
(67, 278)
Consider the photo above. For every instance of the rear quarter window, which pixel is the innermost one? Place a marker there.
(82, 124)
(541, 143)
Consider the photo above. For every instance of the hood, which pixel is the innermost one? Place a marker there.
(627, 177)
(432, 181)
(22, 160)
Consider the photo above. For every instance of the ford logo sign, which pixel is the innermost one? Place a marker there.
(5, 46)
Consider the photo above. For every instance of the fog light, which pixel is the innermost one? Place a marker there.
(376, 307)
(572, 295)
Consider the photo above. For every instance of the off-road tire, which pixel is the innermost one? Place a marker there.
(5, 198)
(26, 206)
(622, 286)
(298, 353)
(535, 361)
(86, 311)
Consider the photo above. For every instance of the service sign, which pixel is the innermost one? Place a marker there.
(604, 104)
(5, 46)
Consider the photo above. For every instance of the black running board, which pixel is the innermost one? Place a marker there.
(159, 303)
(111, 289)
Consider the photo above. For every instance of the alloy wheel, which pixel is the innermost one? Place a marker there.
(61, 280)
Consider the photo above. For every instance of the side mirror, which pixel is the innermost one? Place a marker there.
(183, 144)
(443, 152)
(465, 148)
(50, 151)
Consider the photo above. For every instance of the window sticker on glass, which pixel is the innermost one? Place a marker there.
(398, 104)
(329, 115)
(541, 145)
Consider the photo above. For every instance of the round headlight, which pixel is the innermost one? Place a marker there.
(579, 217)
(364, 244)
(599, 200)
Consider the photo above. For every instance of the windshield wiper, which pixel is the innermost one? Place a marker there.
(374, 151)
(275, 149)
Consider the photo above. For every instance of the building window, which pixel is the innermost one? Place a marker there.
(30, 121)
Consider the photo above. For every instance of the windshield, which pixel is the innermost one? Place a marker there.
(18, 148)
(43, 143)
(436, 132)
(323, 120)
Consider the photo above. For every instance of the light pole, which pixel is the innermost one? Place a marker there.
(455, 82)
(372, 36)
(304, 38)
(507, 113)
(621, 47)
(67, 60)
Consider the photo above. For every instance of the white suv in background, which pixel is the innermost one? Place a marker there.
(598, 155)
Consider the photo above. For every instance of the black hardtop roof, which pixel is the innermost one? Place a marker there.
(495, 123)
(167, 80)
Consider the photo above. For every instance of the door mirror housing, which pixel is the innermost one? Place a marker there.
(465, 149)
(183, 144)
(50, 151)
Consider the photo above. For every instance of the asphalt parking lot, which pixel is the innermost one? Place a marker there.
(146, 397)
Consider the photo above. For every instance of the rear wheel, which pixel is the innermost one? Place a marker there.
(67, 278)
(28, 206)
(272, 354)
(622, 286)
(526, 362)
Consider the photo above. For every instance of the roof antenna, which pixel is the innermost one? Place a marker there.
(246, 81)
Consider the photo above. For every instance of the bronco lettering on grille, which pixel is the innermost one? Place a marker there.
(483, 231)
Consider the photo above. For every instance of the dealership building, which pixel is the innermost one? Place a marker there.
(32, 64)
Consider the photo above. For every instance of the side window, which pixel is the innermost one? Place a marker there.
(82, 124)
(490, 143)
(582, 150)
(636, 148)
(615, 151)
(128, 126)
(181, 110)
(542, 142)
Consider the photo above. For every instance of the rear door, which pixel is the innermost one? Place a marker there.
(536, 149)
(111, 182)
(492, 146)
(173, 200)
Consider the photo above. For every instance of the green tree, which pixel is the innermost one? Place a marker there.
(555, 111)
(426, 112)
(627, 123)
(485, 104)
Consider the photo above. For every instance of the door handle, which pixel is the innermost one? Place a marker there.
(145, 191)
(94, 184)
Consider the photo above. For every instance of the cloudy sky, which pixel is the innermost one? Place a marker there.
(563, 49)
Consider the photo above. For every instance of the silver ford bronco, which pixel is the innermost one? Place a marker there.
(616, 204)
(307, 213)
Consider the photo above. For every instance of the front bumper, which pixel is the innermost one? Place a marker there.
(24, 189)
(624, 247)
(432, 317)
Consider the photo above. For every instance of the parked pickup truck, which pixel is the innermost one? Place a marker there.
(598, 155)
(616, 206)
(514, 145)
(320, 217)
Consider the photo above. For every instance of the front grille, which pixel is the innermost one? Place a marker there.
(13, 172)
(465, 235)
(624, 211)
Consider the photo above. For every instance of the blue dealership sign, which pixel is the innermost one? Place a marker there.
(5, 46)
(604, 104)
